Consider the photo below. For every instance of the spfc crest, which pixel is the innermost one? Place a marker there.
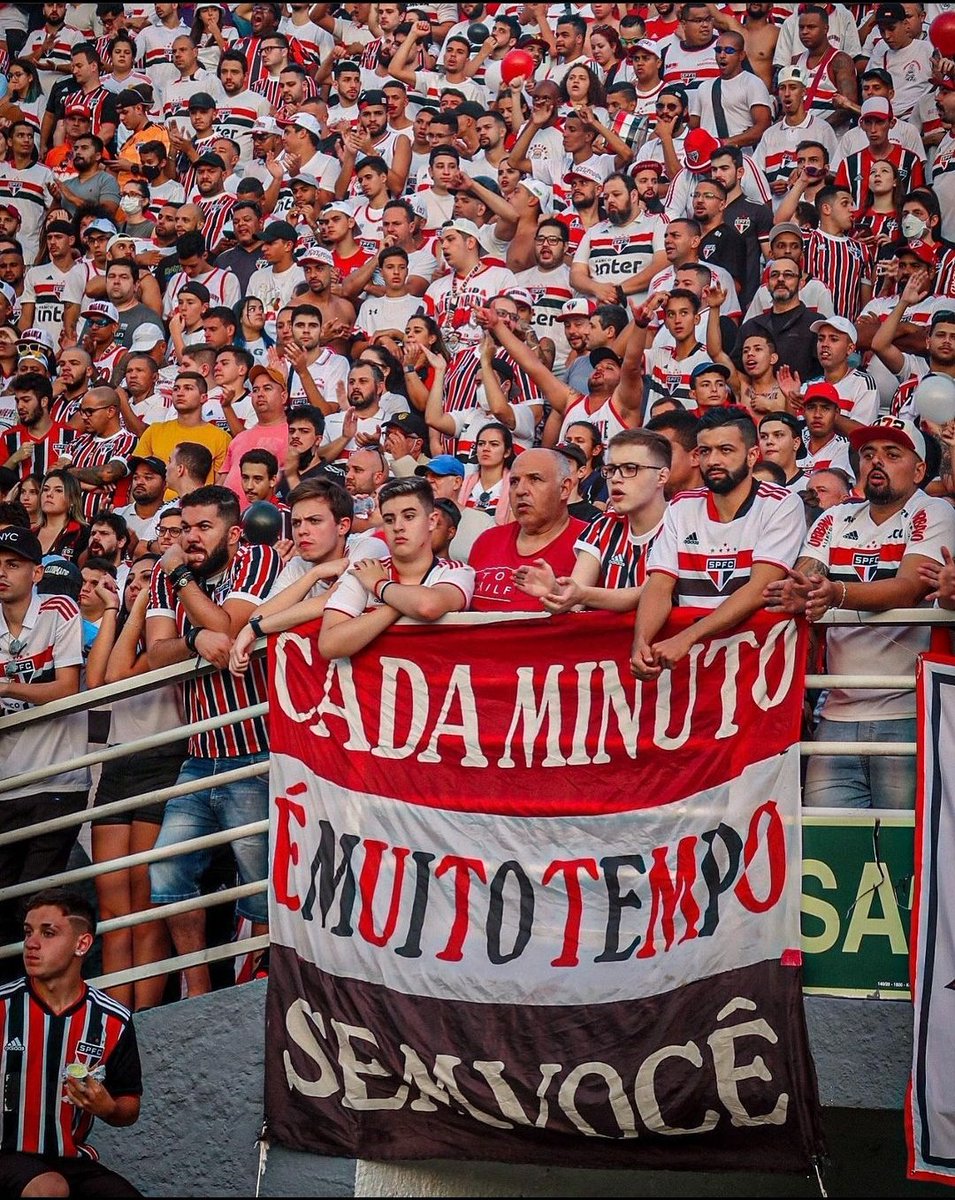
(721, 570)
(866, 564)
(709, 250)
(741, 224)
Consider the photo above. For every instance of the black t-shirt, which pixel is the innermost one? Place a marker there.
(724, 247)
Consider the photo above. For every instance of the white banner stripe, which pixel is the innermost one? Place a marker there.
(503, 862)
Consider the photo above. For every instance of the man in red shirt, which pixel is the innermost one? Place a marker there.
(336, 223)
(541, 483)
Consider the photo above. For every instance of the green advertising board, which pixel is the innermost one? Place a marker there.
(856, 903)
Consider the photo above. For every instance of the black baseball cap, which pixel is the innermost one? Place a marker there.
(450, 510)
(372, 96)
(156, 465)
(60, 578)
(572, 451)
(889, 14)
(602, 353)
(202, 100)
(16, 540)
(783, 418)
(708, 368)
(210, 160)
(128, 97)
(411, 423)
(279, 231)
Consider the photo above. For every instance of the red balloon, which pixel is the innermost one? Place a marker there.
(518, 62)
(942, 34)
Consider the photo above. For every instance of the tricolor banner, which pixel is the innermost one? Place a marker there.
(523, 905)
(930, 1106)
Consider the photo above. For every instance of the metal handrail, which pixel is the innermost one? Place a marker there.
(95, 698)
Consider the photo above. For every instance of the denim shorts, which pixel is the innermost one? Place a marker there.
(206, 812)
(860, 781)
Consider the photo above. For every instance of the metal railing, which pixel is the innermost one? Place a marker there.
(95, 698)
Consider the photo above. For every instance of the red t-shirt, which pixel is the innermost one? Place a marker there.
(495, 558)
(348, 266)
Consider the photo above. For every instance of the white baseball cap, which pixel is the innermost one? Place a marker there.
(541, 191)
(307, 121)
(793, 74)
(101, 308)
(876, 106)
(577, 308)
(267, 125)
(841, 324)
(585, 171)
(315, 253)
(463, 226)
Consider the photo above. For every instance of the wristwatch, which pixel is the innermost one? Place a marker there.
(189, 637)
(181, 577)
(255, 624)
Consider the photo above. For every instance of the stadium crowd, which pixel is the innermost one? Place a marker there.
(383, 310)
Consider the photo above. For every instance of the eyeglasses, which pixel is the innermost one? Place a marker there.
(707, 20)
(544, 240)
(727, 49)
(783, 275)
(171, 530)
(627, 470)
(707, 196)
(97, 322)
(100, 408)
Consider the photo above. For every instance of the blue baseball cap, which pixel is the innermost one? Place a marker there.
(442, 464)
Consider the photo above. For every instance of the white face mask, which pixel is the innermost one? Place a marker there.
(131, 204)
(480, 398)
(913, 226)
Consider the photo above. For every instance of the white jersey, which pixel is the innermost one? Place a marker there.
(835, 453)
(235, 117)
(43, 287)
(328, 370)
(387, 312)
(274, 288)
(28, 190)
(738, 97)
(711, 559)
(606, 417)
(857, 550)
(858, 396)
(451, 300)
(550, 291)
(776, 153)
(615, 253)
(223, 289)
(51, 638)
(353, 598)
(943, 182)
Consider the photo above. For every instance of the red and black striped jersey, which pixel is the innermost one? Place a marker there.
(249, 577)
(853, 172)
(89, 451)
(46, 449)
(622, 556)
(842, 265)
(217, 211)
(464, 377)
(100, 103)
(269, 89)
(37, 1046)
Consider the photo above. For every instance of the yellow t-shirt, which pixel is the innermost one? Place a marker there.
(161, 439)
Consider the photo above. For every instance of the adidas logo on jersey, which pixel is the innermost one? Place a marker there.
(691, 540)
(618, 560)
(852, 536)
(14, 1047)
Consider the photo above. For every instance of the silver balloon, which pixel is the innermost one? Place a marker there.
(934, 399)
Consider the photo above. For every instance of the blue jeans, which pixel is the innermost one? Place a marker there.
(208, 811)
(857, 781)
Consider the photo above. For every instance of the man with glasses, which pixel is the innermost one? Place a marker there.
(671, 108)
(275, 58)
(788, 321)
(548, 283)
(99, 458)
(612, 551)
(720, 244)
(691, 61)
(736, 105)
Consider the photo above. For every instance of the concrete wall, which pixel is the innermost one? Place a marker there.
(203, 1109)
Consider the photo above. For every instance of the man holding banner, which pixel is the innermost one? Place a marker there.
(719, 547)
(872, 557)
